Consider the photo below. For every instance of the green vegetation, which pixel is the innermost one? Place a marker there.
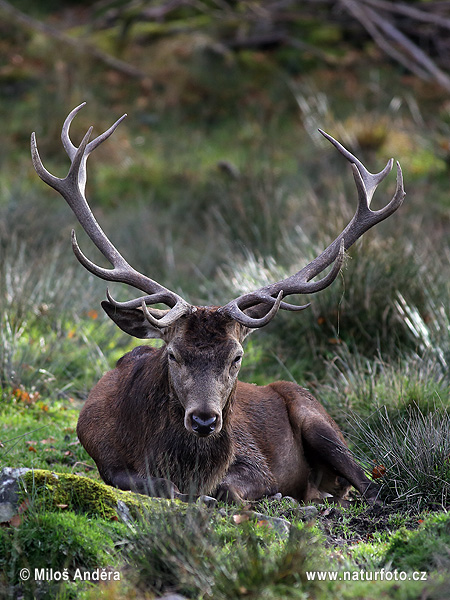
(217, 183)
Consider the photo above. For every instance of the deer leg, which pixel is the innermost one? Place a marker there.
(150, 486)
(323, 446)
(245, 482)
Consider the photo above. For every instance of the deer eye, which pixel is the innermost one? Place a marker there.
(171, 356)
(236, 360)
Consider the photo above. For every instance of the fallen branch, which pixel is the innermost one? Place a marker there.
(395, 43)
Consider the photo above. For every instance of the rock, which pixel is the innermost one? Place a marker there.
(77, 493)
(207, 501)
(124, 512)
(307, 513)
(281, 526)
(9, 492)
(291, 500)
(277, 496)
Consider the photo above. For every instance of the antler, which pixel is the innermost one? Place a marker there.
(72, 189)
(301, 283)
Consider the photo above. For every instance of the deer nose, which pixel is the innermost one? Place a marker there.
(203, 424)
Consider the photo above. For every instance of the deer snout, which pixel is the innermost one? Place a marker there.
(204, 424)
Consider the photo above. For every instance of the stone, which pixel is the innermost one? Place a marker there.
(9, 492)
(281, 526)
(207, 501)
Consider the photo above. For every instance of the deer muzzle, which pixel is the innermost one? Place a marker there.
(203, 424)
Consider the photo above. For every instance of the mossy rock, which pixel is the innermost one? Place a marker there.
(64, 491)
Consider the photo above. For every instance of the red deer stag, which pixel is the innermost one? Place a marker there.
(176, 421)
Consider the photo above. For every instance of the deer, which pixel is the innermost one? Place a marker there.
(174, 421)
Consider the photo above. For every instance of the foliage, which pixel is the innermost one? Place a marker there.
(48, 329)
(216, 183)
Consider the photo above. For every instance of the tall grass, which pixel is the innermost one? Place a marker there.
(407, 451)
(50, 336)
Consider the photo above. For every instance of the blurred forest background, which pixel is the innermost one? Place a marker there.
(218, 181)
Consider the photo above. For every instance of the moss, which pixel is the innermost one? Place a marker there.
(50, 542)
(63, 491)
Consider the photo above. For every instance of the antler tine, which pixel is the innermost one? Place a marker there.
(236, 307)
(66, 141)
(71, 149)
(72, 188)
(363, 219)
(370, 180)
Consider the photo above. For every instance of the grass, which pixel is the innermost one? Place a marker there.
(72, 544)
(408, 450)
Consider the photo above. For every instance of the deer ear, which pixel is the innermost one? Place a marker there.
(132, 321)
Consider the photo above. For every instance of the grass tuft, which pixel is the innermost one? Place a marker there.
(407, 451)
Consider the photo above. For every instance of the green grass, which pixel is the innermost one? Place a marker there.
(37, 433)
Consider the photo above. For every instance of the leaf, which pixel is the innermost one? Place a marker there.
(15, 521)
(378, 471)
(240, 519)
(263, 523)
(24, 506)
(31, 449)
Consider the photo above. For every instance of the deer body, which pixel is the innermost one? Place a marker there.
(176, 421)
(133, 425)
